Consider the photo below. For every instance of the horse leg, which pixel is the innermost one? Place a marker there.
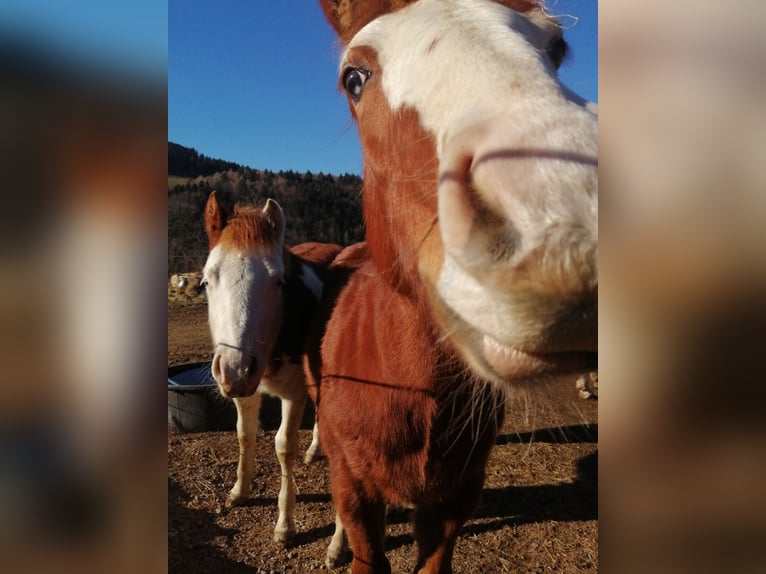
(286, 443)
(313, 451)
(338, 547)
(436, 536)
(366, 535)
(437, 527)
(247, 430)
(364, 521)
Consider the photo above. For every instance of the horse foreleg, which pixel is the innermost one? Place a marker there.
(436, 537)
(437, 527)
(313, 451)
(338, 548)
(286, 443)
(364, 522)
(247, 431)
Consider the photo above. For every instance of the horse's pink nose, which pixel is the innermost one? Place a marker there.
(233, 375)
(518, 218)
(216, 368)
(221, 376)
(523, 206)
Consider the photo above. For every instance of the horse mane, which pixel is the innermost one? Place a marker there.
(249, 228)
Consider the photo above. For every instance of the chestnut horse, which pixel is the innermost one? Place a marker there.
(481, 209)
(261, 298)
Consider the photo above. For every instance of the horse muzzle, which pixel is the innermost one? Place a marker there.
(518, 219)
(236, 373)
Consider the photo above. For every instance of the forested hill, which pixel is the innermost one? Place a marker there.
(318, 207)
(188, 162)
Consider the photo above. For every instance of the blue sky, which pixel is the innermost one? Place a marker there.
(254, 82)
(125, 36)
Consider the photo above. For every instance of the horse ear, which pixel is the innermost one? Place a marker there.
(347, 17)
(215, 220)
(276, 217)
(334, 11)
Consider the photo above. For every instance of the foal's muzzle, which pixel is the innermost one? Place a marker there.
(235, 371)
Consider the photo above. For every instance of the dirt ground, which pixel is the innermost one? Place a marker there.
(538, 511)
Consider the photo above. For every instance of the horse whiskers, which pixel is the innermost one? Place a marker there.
(485, 400)
(484, 412)
(211, 390)
(446, 335)
(424, 176)
(517, 394)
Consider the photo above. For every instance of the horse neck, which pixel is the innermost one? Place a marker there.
(295, 294)
(298, 306)
(399, 219)
(292, 265)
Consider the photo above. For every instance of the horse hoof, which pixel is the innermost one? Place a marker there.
(312, 456)
(284, 536)
(334, 561)
(233, 501)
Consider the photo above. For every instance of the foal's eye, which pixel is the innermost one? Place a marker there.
(354, 80)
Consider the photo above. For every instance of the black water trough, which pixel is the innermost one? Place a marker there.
(194, 403)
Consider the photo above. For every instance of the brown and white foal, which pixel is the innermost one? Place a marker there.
(481, 209)
(261, 298)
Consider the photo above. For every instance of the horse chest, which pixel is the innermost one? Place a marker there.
(396, 410)
(286, 382)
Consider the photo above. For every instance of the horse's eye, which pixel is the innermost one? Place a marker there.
(354, 80)
(203, 283)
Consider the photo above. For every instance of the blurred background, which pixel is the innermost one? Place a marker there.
(82, 275)
(682, 95)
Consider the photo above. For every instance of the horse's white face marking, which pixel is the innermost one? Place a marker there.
(244, 302)
(518, 191)
(457, 61)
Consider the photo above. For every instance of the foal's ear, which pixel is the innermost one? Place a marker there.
(215, 220)
(347, 17)
(276, 218)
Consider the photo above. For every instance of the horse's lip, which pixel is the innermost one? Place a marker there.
(514, 363)
(249, 390)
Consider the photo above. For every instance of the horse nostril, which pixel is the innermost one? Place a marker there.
(474, 233)
(455, 210)
(216, 367)
(252, 367)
